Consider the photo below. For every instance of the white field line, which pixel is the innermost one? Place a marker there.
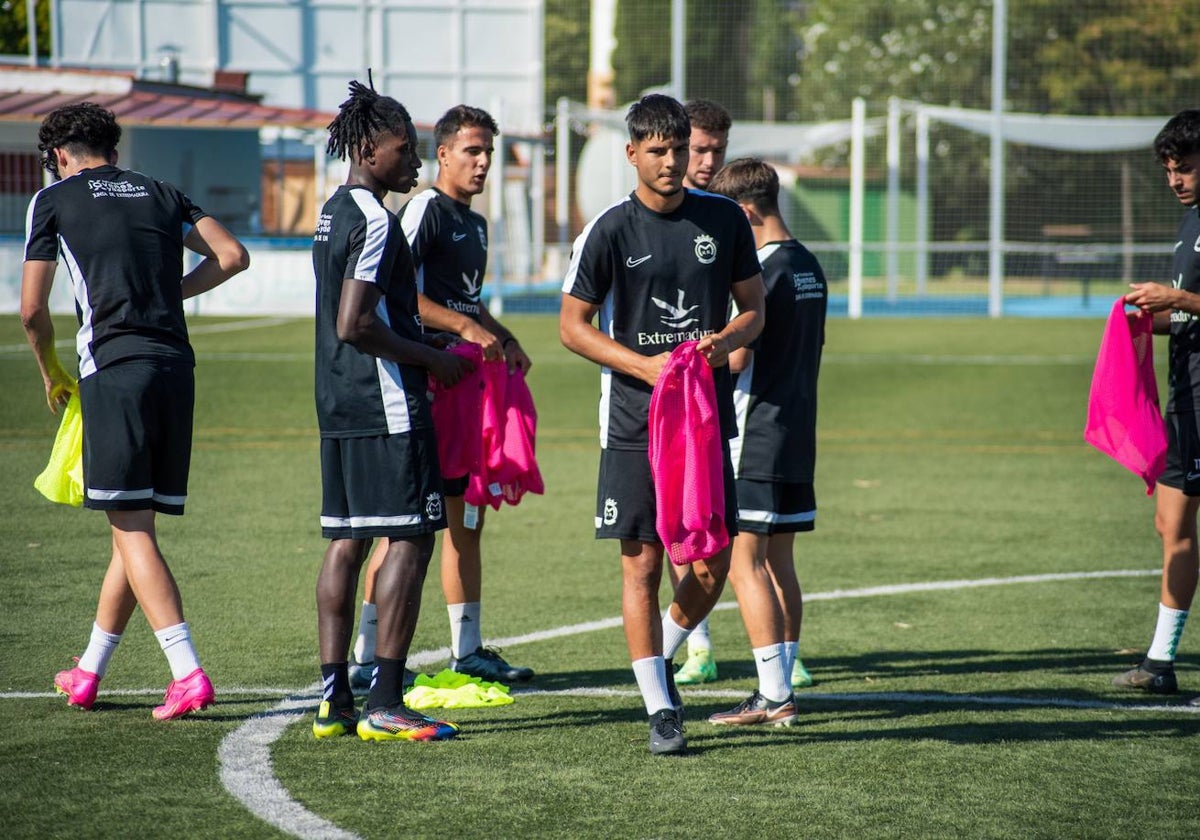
(245, 753)
(931, 359)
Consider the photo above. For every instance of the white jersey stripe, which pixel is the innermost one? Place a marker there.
(391, 386)
(776, 518)
(577, 248)
(115, 495)
(83, 338)
(413, 213)
(375, 238)
(169, 500)
(370, 521)
(741, 409)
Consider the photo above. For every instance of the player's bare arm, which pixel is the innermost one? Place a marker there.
(439, 317)
(37, 277)
(1158, 299)
(358, 326)
(224, 256)
(750, 296)
(580, 336)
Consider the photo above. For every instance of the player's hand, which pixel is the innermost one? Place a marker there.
(650, 368)
(448, 368)
(515, 356)
(443, 340)
(485, 339)
(1151, 297)
(59, 387)
(715, 349)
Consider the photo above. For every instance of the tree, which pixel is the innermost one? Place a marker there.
(14, 28)
(567, 32)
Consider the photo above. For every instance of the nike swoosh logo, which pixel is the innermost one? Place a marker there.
(1192, 476)
(632, 263)
(769, 658)
(458, 237)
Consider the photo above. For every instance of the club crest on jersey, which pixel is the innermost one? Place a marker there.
(482, 236)
(610, 511)
(433, 506)
(706, 248)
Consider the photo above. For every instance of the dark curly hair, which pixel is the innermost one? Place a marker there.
(362, 119)
(82, 129)
(1180, 137)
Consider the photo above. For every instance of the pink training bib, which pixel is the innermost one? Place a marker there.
(1124, 420)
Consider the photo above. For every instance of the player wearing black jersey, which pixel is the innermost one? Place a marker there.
(659, 268)
(121, 237)
(379, 470)
(1176, 310)
(775, 396)
(449, 245)
(707, 142)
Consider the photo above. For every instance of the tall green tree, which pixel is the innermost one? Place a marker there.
(14, 28)
(567, 33)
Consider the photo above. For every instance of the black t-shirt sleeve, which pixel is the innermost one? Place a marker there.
(590, 273)
(41, 235)
(421, 224)
(191, 211)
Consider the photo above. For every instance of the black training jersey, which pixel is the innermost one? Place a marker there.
(120, 235)
(449, 246)
(660, 279)
(360, 395)
(775, 397)
(1184, 371)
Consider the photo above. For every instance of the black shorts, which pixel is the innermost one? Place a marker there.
(625, 505)
(383, 486)
(775, 507)
(137, 435)
(456, 486)
(1183, 453)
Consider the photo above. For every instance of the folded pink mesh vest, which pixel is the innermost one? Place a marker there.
(1123, 418)
(457, 412)
(508, 464)
(686, 460)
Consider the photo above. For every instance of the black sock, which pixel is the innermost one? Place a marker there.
(388, 690)
(335, 681)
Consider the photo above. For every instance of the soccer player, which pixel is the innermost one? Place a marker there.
(659, 267)
(121, 236)
(1176, 310)
(449, 246)
(774, 454)
(379, 468)
(706, 155)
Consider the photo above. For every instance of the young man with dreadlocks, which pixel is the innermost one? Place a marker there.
(449, 244)
(379, 469)
(121, 235)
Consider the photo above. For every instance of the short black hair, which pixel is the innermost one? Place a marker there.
(361, 119)
(749, 180)
(1180, 137)
(85, 128)
(462, 116)
(708, 115)
(657, 115)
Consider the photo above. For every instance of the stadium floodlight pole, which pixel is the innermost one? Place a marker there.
(678, 47)
(858, 123)
(893, 196)
(996, 226)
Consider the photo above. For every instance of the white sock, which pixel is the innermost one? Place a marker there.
(651, 676)
(791, 651)
(99, 650)
(465, 637)
(673, 635)
(699, 639)
(364, 645)
(1167, 633)
(773, 682)
(176, 643)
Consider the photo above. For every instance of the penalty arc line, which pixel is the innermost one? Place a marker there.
(245, 753)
